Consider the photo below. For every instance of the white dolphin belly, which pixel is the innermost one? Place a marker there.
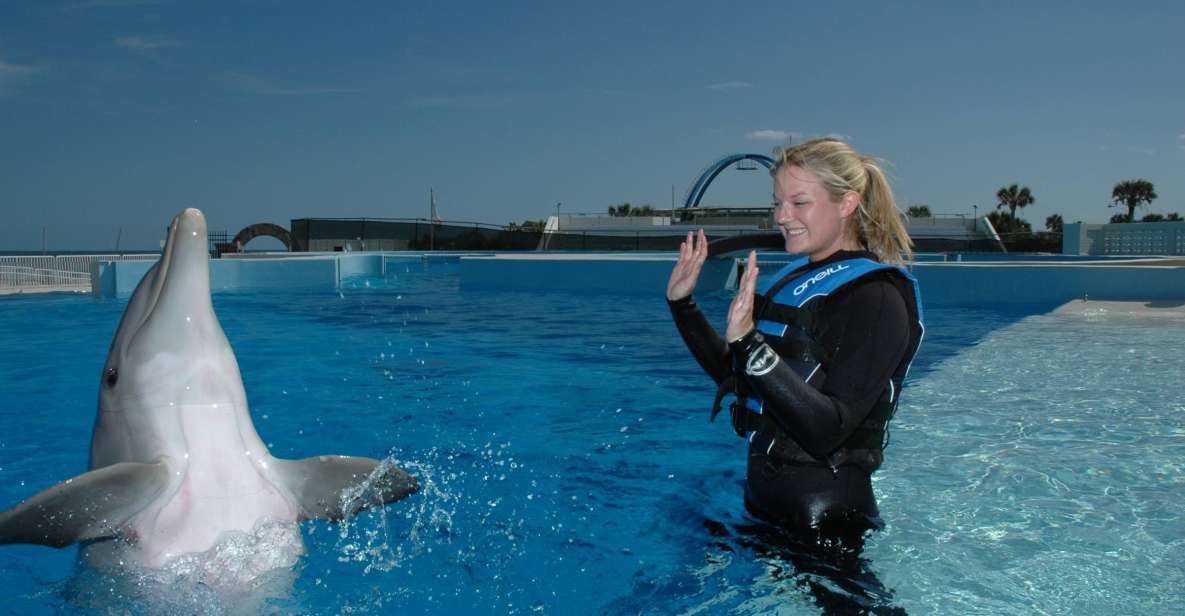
(221, 482)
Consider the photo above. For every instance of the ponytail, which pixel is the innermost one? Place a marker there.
(881, 228)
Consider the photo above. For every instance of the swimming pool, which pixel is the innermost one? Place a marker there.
(568, 466)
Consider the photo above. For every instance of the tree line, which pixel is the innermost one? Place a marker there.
(1130, 194)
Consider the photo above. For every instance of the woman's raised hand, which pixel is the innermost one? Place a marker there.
(740, 313)
(692, 253)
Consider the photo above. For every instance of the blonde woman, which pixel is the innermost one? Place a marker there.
(817, 356)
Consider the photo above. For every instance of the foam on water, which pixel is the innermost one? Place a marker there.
(243, 573)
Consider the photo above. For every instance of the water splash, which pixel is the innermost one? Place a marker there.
(377, 543)
(244, 573)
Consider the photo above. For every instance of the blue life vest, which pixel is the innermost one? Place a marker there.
(785, 310)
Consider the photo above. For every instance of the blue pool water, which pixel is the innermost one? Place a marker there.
(1037, 463)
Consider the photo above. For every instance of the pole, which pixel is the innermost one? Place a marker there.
(118, 236)
(432, 219)
(42, 239)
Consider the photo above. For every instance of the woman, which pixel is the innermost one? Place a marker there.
(817, 356)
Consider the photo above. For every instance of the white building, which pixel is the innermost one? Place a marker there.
(1130, 238)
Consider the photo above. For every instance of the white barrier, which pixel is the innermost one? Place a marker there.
(54, 272)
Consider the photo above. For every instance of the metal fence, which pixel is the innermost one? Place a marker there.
(332, 234)
(54, 272)
(320, 234)
(13, 278)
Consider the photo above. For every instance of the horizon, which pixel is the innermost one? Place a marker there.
(119, 113)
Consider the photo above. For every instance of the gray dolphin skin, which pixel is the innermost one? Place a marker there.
(175, 459)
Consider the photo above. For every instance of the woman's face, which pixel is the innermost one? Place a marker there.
(810, 221)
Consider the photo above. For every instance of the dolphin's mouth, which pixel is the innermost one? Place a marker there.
(162, 269)
(178, 248)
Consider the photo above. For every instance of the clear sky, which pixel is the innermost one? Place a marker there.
(115, 114)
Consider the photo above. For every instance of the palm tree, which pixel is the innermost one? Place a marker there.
(1132, 194)
(1013, 197)
(918, 211)
(1006, 225)
(1054, 223)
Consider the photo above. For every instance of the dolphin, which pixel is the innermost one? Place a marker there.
(175, 461)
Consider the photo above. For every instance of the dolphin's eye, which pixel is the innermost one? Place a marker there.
(111, 377)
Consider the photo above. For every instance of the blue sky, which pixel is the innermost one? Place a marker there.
(115, 114)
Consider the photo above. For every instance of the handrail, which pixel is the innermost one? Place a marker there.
(19, 272)
(69, 263)
(17, 277)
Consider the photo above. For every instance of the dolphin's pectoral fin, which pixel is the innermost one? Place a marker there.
(334, 487)
(92, 505)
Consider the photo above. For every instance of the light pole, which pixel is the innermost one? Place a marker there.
(557, 210)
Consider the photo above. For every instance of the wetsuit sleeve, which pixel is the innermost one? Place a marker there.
(707, 346)
(867, 332)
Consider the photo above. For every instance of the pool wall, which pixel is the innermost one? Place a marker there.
(1012, 283)
(273, 271)
(1031, 280)
(582, 273)
(972, 282)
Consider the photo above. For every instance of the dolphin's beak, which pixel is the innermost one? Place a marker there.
(184, 275)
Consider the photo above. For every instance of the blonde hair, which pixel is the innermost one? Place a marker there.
(878, 224)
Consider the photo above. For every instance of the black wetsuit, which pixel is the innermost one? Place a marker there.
(866, 329)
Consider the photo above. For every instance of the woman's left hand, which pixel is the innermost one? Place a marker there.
(740, 313)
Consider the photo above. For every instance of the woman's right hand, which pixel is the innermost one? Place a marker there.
(692, 254)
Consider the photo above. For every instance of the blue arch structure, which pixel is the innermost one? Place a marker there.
(697, 190)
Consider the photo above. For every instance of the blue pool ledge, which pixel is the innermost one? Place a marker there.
(1048, 280)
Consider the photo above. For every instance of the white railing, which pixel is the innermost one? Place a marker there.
(46, 272)
(69, 263)
(15, 277)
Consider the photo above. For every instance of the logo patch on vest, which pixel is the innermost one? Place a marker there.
(800, 289)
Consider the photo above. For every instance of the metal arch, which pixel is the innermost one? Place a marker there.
(696, 193)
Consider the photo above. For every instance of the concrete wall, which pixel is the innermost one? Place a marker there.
(977, 283)
(943, 283)
(119, 278)
(1074, 239)
(273, 271)
(987, 285)
(360, 265)
(590, 273)
(615, 223)
(357, 245)
(1141, 238)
